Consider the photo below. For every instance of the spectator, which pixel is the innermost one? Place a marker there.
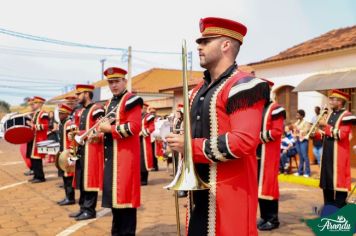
(287, 147)
(301, 129)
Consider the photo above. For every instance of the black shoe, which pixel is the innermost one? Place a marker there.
(85, 216)
(35, 181)
(143, 183)
(260, 222)
(67, 202)
(28, 173)
(75, 214)
(268, 226)
(59, 202)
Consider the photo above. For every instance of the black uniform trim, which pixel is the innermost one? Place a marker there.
(98, 113)
(246, 92)
(44, 115)
(124, 130)
(208, 152)
(278, 112)
(349, 119)
(150, 117)
(132, 102)
(223, 147)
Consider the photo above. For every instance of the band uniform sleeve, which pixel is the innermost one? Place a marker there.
(43, 122)
(239, 142)
(131, 127)
(338, 134)
(276, 131)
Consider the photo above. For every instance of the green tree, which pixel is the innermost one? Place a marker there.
(4, 107)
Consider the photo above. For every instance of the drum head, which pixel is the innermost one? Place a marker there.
(19, 134)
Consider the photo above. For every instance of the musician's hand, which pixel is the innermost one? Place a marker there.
(175, 142)
(105, 127)
(322, 122)
(93, 138)
(30, 123)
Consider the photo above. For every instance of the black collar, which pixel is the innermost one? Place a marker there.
(118, 97)
(226, 73)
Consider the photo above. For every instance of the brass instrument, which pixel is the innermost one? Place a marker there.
(63, 158)
(80, 139)
(314, 127)
(187, 178)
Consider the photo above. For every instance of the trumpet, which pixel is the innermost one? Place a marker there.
(80, 139)
(315, 125)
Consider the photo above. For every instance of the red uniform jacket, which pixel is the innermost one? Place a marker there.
(235, 124)
(270, 140)
(126, 155)
(40, 119)
(93, 154)
(341, 161)
(148, 127)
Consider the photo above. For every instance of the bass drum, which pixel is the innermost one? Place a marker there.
(16, 130)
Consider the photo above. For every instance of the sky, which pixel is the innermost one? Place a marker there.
(29, 68)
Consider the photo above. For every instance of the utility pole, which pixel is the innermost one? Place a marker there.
(129, 69)
(102, 68)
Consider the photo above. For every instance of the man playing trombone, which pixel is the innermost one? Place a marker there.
(89, 168)
(335, 177)
(226, 114)
(121, 188)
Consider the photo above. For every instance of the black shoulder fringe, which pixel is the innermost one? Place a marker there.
(279, 114)
(249, 97)
(132, 102)
(349, 120)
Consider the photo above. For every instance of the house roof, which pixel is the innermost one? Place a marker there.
(331, 41)
(150, 81)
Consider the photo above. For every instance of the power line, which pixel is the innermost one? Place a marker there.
(73, 44)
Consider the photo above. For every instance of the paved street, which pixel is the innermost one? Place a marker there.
(31, 209)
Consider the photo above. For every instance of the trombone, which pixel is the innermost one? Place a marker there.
(315, 125)
(186, 177)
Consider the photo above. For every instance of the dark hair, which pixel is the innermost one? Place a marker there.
(91, 94)
(317, 108)
(301, 112)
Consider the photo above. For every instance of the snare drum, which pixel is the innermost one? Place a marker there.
(53, 149)
(42, 146)
(17, 131)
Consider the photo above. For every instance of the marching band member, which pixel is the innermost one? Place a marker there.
(89, 168)
(268, 156)
(65, 126)
(154, 141)
(226, 114)
(39, 124)
(121, 189)
(335, 178)
(145, 143)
